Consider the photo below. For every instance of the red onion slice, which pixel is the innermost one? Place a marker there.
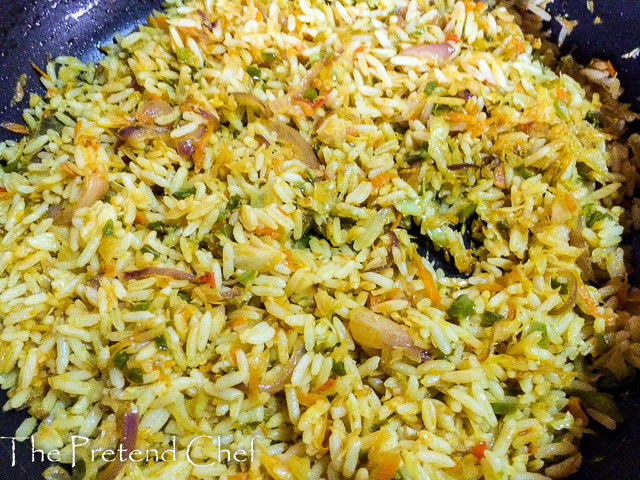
(130, 423)
(434, 51)
(300, 146)
(165, 272)
(149, 111)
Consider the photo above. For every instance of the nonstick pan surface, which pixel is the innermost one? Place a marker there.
(32, 30)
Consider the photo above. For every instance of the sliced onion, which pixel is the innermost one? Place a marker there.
(130, 423)
(186, 146)
(250, 100)
(572, 287)
(231, 293)
(375, 331)
(140, 132)
(95, 186)
(148, 112)
(300, 146)
(284, 376)
(576, 239)
(433, 51)
(165, 272)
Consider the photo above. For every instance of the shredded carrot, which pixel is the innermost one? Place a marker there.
(77, 129)
(359, 49)
(307, 399)
(429, 285)
(518, 45)
(258, 16)
(3, 190)
(270, 232)
(570, 202)
(37, 69)
(562, 94)
(353, 131)
(610, 69)
(460, 117)
(381, 178)
(66, 168)
(479, 449)
(385, 467)
(282, 211)
(479, 6)
(451, 38)
(589, 302)
(202, 143)
(498, 176)
(396, 221)
(209, 278)
(238, 476)
(141, 219)
(237, 322)
(15, 128)
(328, 385)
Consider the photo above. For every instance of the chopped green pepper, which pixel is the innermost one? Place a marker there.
(417, 156)
(234, 201)
(418, 32)
(245, 277)
(310, 94)
(604, 341)
(269, 57)
(489, 319)
(593, 216)
(254, 72)
(184, 296)
(108, 228)
(466, 212)
(462, 307)
(583, 169)
(524, 172)
(158, 226)
(161, 342)
(148, 249)
(134, 375)
(226, 230)
(593, 117)
(303, 241)
(11, 167)
(542, 328)
(184, 192)
(120, 359)
(338, 368)
(555, 283)
(430, 87)
(599, 400)
(506, 407)
(142, 306)
(183, 54)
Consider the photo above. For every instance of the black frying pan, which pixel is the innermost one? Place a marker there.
(32, 29)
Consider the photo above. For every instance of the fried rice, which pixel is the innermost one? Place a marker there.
(380, 240)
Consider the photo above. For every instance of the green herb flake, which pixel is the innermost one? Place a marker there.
(254, 72)
(503, 226)
(142, 306)
(542, 328)
(183, 55)
(310, 94)
(107, 230)
(245, 277)
(462, 307)
(561, 110)
(226, 230)
(184, 192)
(303, 242)
(338, 368)
(466, 211)
(504, 408)
(158, 226)
(269, 57)
(148, 249)
(430, 87)
(418, 32)
(161, 342)
(555, 283)
(488, 319)
(11, 167)
(524, 172)
(593, 117)
(234, 201)
(184, 296)
(593, 216)
(417, 156)
(120, 359)
(134, 375)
